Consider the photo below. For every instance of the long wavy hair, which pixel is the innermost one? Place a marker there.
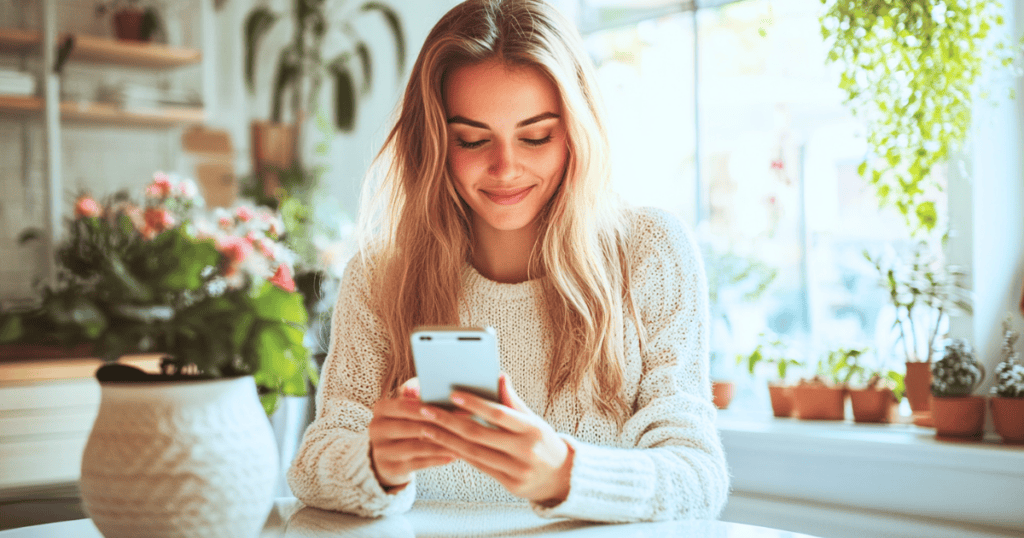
(416, 230)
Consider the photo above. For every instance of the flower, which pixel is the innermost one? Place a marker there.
(157, 219)
(188, 189)
(283, 278)
(224, 291)
(86, 207)
(160, 188)
(244, 214)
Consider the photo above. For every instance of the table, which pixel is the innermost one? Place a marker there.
(438, 519)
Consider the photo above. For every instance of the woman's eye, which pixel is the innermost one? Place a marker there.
(470, 145)
(537, 141)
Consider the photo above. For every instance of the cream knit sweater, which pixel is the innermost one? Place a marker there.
(666, 463)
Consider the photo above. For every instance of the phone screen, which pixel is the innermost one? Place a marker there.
(455, 358)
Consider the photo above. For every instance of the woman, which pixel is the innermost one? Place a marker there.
(492, 208)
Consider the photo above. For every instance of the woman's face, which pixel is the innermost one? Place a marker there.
(507, 143)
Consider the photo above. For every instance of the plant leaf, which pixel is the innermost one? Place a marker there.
(257, 24)
(344, 99)
(395, 23)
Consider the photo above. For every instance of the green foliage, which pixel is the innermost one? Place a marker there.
(769, 352)
(922, 285)
(909, 69)
(301, 68)
(218, 303)
(840, 365)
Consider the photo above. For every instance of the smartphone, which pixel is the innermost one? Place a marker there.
(449, 358)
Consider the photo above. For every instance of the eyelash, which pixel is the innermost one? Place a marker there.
(529, 141)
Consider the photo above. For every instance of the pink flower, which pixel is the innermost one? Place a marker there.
(157, 219)
(777, 164)
(188, 189)
(244, 214)
(235, 249)
(283, 278)
(264, 246)
(225, 223)
(160, 188)
(86, 207)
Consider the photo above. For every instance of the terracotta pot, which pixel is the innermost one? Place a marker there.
(919, 385)
(782, 400)
(273, 147)
(128, 24)
(1008, 416)
(872, 405)
(960, 417)
(813, 402)
(722, 392)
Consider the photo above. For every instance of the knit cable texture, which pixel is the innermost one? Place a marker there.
(666, 462)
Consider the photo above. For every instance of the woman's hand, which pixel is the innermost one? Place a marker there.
(397, 445)
(522, 452)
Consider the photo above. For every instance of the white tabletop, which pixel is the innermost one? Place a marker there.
(291, 519)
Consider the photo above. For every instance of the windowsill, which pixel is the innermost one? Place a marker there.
(896, 469)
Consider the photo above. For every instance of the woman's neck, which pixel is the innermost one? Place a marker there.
(504, 255)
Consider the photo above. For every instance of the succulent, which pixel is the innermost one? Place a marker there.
(957, 373)
(1009, 371)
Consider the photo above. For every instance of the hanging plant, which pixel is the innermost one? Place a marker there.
(909, 69)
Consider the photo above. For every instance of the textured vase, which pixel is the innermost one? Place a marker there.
(179, 458)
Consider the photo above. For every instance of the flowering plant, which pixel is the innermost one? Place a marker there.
(1009, 371)
(214, 291)
(957, 373)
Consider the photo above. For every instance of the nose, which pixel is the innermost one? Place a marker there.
(504, 161)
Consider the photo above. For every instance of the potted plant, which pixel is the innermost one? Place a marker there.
(1008, 394)
(823, 396)
(914, 95)
(924, 293)
(876, 400)
(773, 352)
(133, 21)
(300, 70)
(732, 279)
(215, 296)
(956, 412)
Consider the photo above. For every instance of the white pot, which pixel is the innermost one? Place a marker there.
(180, 458)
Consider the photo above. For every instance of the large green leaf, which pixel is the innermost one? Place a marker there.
(257, 24)
(274, 304)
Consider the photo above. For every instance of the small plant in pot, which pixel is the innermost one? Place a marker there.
(957, 413)
(1008, 394)
(823, 397)
(773, 354)
(132, 19)
(924, 293)
(876, 401)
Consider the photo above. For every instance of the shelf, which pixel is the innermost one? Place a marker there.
(106, 113)
(93, 49)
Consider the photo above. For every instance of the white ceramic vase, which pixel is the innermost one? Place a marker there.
(180, 458)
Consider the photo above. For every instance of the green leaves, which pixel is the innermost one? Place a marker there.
(909, 71)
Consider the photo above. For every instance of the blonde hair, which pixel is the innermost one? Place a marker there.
(417, 231)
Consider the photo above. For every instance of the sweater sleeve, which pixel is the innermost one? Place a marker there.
(670, 463)
(332, 468)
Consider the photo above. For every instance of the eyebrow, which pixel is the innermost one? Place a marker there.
(528, 121)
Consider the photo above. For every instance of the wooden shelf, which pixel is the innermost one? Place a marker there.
(93, 49)
(106, 113)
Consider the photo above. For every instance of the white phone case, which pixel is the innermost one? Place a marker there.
(455, 358)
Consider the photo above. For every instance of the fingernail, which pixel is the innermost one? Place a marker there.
(427, 433)
(458, 400)
(427, 413)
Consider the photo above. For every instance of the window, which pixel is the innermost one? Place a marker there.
(759, 157)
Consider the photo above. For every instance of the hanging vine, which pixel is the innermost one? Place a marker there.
(909, 69)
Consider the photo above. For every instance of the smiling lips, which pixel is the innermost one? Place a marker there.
(507, 196)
